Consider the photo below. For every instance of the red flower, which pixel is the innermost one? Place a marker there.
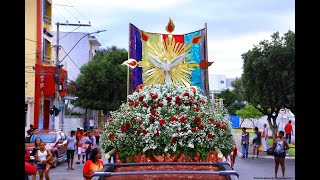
(172, 119)
(203, 102)
(195, 103)
(186, 94)
(178, 100)
(194, 129)
(123, 128)
(154, 96)
(168, 99)
(153, 112)
(111, 120)
(153, 106)
(136, 103)
(157, 133)
(217, 124)
(145, 104)
(139, 131)
(223, 127)
(209, 135)
(196, 109)
(129, 100)
(197, 119)
(140, 122)
(111, 136)
(173, 140)
(133, 120)
(144, 131)
(141, 98)
(127, 126)
(160, 104)
(201, 126)
(130, 103)
(162, 122)
(210, 120)
(151, 118)
(190, 103)
(183, 119)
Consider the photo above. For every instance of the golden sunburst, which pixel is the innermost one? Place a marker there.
(169, 49)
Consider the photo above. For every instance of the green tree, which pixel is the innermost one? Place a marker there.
(251, 113)
(102, 82)
(269, 76)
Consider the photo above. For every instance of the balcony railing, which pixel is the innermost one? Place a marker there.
(46, 59)
(47, 20)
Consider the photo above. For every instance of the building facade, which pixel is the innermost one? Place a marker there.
(42, 77)
(218, 83)
(76, 49)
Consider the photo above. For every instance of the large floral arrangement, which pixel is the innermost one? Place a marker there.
(167, 119)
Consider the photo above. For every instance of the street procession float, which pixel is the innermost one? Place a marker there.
(168, 128)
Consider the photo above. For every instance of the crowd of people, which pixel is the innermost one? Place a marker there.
(84, 141)
(260, 144)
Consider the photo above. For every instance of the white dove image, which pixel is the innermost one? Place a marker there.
(166, 66)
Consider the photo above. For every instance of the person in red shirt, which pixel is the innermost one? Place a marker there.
(94, 164)
(288, 130)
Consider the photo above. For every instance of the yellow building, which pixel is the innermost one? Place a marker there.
(38, 59)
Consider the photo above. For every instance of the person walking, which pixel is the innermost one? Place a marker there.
(42, 157)
(80, 151)
(85, 125)
(33, 154)
(256, 142)
(264, 137)
(97, 135)
(289, 131)
(94, 164)
(91, 124)
(71, 144)
(245, 142)
(280, 145)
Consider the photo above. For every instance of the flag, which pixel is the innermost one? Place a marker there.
(137, 50)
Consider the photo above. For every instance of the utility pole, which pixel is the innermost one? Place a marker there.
(58, 66)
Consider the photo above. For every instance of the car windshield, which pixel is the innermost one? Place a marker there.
(46, 138)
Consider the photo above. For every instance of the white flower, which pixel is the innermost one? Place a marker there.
(190, 145)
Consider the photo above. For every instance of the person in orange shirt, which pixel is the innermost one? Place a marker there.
(289, 131)
(80, 145)
(94, 164)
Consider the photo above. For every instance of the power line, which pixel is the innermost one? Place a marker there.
(69, 32)
(70, 58)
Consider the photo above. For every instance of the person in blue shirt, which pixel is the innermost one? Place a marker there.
(85, 125)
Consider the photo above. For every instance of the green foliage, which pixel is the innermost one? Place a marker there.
(249, 112)
(232, 100)
(269, 75)
(102, 81)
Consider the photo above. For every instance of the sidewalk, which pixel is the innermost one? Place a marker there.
(237, 138)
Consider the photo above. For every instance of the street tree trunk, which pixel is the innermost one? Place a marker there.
(272, 121)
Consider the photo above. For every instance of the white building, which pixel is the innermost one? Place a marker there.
(218, 83)
(76, 49)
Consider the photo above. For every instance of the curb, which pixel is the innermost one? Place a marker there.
(268, 156)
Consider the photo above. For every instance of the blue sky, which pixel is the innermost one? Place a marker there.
(234, 26)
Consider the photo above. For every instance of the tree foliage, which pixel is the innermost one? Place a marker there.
(249, 112)
(233, 100)
(269, 76)
(102, 82)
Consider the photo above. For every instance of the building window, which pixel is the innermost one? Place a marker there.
(221, 82)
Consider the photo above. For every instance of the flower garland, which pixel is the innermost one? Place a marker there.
(161, 119)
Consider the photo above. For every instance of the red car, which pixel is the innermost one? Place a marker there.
(55, 141)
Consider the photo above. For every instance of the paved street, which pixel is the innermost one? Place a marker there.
(261, 168)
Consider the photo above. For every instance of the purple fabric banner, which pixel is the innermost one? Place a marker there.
(135, 53)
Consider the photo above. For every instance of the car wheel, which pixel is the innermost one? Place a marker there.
(55, 155)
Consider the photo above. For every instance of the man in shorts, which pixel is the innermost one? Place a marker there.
(80, 137)
(71, 142)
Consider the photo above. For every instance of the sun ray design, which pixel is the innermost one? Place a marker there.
(168, 49)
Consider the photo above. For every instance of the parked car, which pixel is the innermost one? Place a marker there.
(55, 141)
